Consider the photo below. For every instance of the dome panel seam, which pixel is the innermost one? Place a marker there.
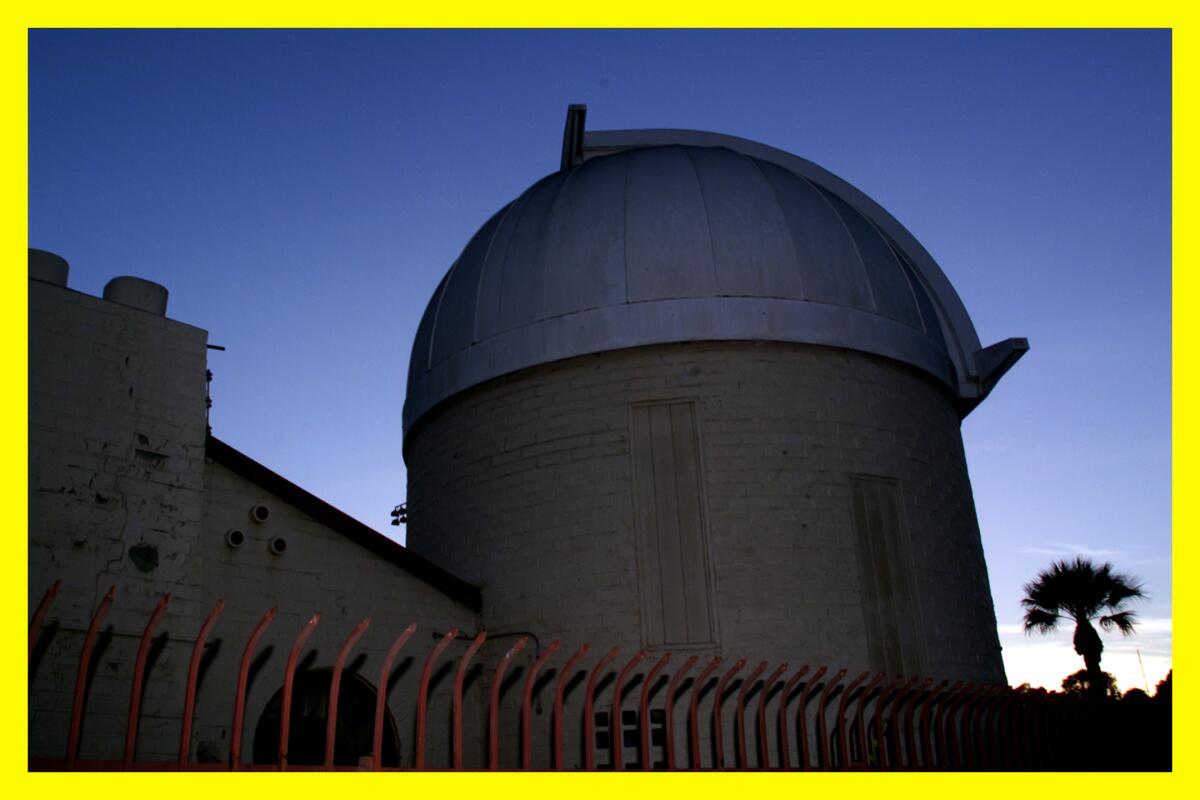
(853, 242)
(787, 225)
(712, 246)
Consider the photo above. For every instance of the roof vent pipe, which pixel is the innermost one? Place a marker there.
(138, 293)
(572, 149)
(47, 267)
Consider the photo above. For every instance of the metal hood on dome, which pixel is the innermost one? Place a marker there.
(666, 236)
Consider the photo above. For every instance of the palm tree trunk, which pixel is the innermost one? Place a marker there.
(1088, 644)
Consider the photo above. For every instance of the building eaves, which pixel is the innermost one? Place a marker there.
(447, 583)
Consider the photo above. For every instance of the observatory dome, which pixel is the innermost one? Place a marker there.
(691, 392)
(654, 237)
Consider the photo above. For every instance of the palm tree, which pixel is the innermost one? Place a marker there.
(1080, 591)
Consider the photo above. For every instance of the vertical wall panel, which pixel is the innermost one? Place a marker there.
(885, 566)
(645, 525)
(667, 529)
(669, 520)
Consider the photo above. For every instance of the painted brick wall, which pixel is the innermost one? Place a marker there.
(116, 445)
(116, 480)
(523, 485)
(121, 493)
(320, 571)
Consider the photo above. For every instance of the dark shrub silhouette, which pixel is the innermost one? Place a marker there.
(1079, 683)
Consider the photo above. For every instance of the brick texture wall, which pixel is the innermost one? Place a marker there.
(524, 486)
(319, 572)
(120, 492)
(116, 482)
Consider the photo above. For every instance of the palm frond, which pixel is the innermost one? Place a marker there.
(1122, 588)
(1123, 621)
(1080, 590)
(1040, 620)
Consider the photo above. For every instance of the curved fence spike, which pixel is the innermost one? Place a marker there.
(618, 739)
(85, 659)
(989, 742)
(669, 710)
(527, 705)
(589, 699)
(739, 719)
(335, 686)
(289, 676)
(644, 710)
(806, 694)
(494, 707)
(924, 721)
(895, 755)
(764, 749)
(843, 723)
(239, 701)
(951, 750)
(718, 732)
(139, 669)
(189, 700)
(35, 625)
(423, 694)
(968, 737)
(559, 688)
(967, 727)
(784, 748)
(694, 720)
(880, 743)
(460, 678)
(381, 695)
(860, 723)
(822, 730)
(910, 733)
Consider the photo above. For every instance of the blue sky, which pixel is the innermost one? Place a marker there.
(301, 193)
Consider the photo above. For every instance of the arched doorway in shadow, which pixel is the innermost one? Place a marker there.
(310, 706)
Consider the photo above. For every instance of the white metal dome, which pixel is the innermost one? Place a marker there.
(652, 237)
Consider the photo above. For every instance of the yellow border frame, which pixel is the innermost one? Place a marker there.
(17, 19)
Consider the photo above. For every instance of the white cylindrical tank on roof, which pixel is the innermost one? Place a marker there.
(137, 293)
(48, 267)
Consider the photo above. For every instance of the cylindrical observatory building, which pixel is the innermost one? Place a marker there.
(693, 393)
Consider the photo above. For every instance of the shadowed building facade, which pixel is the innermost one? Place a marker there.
(127, 490)
(688, 393)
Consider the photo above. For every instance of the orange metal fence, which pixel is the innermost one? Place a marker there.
(823, 720)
